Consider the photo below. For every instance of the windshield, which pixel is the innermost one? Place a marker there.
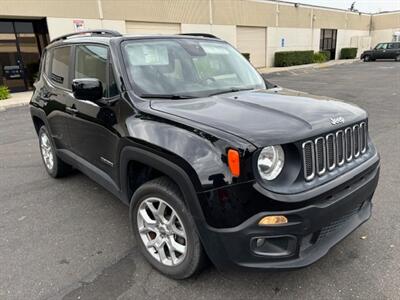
(185, 68)
(381, 46)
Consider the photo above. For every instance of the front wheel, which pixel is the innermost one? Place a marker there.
(367, 58)
(165, 230)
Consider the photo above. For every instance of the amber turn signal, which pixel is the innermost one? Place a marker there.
(273, 220)
(234, 162)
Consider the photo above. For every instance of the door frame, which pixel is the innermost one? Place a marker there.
(332, 39)
(20, 61)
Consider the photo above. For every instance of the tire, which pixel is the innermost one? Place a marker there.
(397, 58)
(53, 164)
(174, 250)
(367, 58)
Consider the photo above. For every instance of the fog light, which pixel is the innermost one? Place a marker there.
(273, 220)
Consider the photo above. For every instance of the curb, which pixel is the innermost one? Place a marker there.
(5, 106)
(16, 100)
(310, 66)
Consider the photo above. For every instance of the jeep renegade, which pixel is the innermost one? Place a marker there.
(213, 162)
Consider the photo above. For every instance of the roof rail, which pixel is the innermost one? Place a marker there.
(104, 32)
(208, 35)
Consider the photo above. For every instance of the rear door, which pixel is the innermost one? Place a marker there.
(393, 50)
(54, 93)
(93, 134)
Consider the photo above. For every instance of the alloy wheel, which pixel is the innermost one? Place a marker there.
(47, 153)
(162, 231)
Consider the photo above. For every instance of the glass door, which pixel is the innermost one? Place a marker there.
(11, 66)
(28, 51)
(328, 41)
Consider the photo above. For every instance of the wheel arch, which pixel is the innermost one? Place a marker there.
(38, 118)
(187, 184)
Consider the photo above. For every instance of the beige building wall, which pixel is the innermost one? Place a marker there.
(50, 8)
(353, 38)
(166, 11)
(61, 26)
(384, 26)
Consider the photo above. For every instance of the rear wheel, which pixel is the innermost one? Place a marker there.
(397, 58)
(165, 230)
(53, 164)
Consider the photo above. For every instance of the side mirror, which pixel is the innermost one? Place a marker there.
(90, 89)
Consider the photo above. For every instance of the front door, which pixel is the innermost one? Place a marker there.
(92, 131)
(381, 51)
(328, 41)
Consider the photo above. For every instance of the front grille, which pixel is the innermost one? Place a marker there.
(326, 153)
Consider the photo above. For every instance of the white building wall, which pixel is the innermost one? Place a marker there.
(352, 38)
(294, 39)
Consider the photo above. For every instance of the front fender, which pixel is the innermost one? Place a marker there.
(202, 152)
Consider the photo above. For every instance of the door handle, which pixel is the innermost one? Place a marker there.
(71, 110)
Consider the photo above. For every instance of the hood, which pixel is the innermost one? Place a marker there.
(263, 117)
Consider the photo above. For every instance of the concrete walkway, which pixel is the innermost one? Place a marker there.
(17, 99)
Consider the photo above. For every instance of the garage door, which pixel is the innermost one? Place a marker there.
(252, 40)
(152, 28)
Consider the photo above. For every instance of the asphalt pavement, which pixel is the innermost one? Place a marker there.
(70, 239)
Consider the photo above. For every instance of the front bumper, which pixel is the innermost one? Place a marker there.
(311, 232)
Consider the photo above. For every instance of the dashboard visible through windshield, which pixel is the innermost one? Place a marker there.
(187, 68)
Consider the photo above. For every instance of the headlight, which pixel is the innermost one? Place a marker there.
(270, 162)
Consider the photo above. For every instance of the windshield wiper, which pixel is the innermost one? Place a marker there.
(231, 90)
(166, 96)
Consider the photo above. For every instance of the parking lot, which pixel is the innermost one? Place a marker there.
(70, 238)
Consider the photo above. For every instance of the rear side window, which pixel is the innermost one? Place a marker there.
(60, 66)
(394, 46)
(91, 62)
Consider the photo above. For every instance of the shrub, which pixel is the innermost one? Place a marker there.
(4, 92)
(320, 57)
(327, 54)
(348, 53)
(292, 58)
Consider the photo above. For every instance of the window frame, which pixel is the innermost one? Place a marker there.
(109, 65)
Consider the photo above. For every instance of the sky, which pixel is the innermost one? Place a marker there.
(369, 6)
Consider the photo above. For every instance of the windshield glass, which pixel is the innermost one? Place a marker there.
(187, 68)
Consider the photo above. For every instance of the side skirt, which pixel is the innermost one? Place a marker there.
(90, 170)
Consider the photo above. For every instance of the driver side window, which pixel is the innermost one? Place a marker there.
(381, 46)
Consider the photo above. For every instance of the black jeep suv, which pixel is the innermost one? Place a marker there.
(211, 162)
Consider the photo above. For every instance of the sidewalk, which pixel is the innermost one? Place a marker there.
(17, 99)
(309, 66)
